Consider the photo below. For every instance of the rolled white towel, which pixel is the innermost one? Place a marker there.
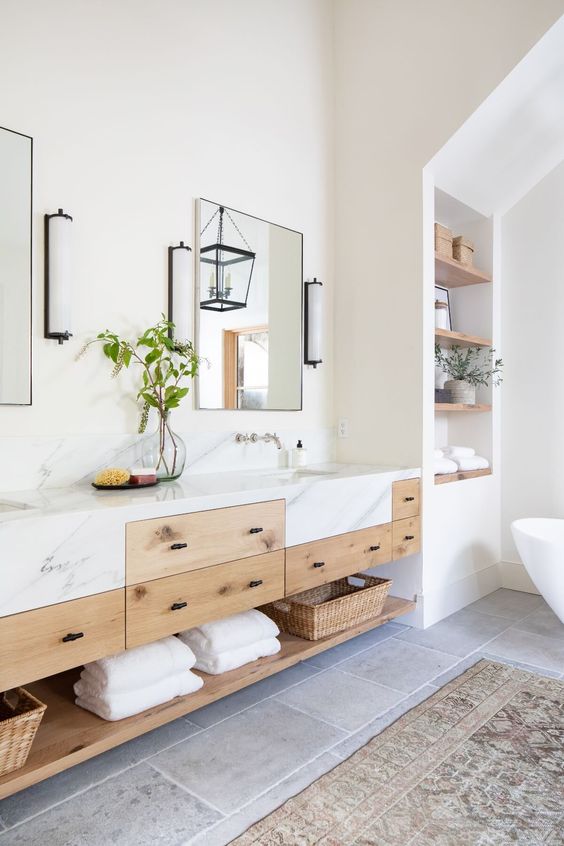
(458, 452)
(439, 453)
(445, 465)
(473, 462)
(230, 633)
(233, 658)
(118, 706)
(142, 665)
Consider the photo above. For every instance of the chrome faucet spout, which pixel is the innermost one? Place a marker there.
(269, 437)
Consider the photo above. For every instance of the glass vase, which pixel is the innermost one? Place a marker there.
(164, 450)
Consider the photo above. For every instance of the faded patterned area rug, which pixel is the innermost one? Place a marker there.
(479, 763)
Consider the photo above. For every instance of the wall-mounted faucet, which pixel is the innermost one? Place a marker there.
(268, 438)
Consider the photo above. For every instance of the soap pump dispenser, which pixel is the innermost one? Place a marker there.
(299, 455)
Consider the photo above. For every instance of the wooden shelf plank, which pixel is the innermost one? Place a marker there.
(445, 478)
(446, 338)
(69, 735)
(453, 274)
(459, 406)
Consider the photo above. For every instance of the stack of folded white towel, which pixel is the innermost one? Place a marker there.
(229, 643)
(137, 679)
(454, 459)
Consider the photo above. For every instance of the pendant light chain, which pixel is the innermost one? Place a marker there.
(239, 231)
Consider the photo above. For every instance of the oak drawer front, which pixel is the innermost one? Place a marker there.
(162, 607)
(170, 545)
(39, 643)
(319, 562)
(405, 499)
(406, 537)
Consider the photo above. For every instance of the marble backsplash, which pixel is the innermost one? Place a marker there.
(30, 463)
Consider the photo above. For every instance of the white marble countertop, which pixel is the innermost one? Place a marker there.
(64, 543)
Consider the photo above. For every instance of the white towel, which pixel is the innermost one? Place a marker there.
(233, 658)
(117, 706)
(473, 462)
(458, 452)
(445, 465)
(141, 665)
(439, 453)
(230, 633)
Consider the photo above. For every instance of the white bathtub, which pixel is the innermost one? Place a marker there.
(540, 542)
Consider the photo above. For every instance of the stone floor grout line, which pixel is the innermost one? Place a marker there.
(319, 719)
(349, 657)
(189, 791)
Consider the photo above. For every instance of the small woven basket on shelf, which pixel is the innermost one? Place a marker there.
(331, 608)
(443, 241)
(20, 715)
(463, 250)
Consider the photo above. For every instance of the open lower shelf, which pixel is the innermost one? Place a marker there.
(460, 406)
(69, 735)
(453, 274)
(446, 338)
(445, 478)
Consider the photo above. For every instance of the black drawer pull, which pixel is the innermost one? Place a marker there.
(72, 636)
(318, 564)
(375, 548)
(255, 583)
(257, 530)
(409, 499)
(179, 546)
(409, 537)
(176, 606)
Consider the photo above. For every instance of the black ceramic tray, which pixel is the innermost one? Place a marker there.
(128, 486)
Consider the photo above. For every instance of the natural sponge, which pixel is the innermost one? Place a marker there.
(112, 476)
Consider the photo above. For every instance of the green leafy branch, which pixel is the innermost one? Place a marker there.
(475, 365)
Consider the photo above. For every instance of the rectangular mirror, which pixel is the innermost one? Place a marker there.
(248, 305)
(16, 152)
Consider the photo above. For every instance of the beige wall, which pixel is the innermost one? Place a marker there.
(407, 76)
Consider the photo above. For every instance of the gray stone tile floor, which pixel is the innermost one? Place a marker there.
(206, 778)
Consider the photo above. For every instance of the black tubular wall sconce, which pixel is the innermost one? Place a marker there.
(58, 282)
(313, 319)
(180, 290)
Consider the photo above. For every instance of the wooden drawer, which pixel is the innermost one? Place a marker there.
(162, 607)
(319, 562)
(406, 537)
(170, 545)
(405, 499)
(35, 644)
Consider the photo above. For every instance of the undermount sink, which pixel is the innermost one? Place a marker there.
(292, 472)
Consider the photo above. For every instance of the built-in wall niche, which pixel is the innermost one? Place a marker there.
(248, 307)
(16, 151)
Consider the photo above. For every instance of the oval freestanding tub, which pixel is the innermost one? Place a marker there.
(540, 542)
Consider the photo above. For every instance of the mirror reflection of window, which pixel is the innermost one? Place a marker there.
(246, 368)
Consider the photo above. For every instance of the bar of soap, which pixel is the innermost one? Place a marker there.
(143, 476)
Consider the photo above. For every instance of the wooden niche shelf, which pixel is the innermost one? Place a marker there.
(446, 338)
(445, 478)
(453, 274)
(460, 406)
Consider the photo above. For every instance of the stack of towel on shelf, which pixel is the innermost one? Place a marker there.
(455, 459)
(229, 643)
(137, 679)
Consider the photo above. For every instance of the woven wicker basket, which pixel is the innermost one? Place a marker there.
(463, 250)
(20, 715)
(328, 609)
(443, 241)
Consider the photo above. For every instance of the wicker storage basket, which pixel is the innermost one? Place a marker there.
(20, 715)
(443, 241)
(328, 609)
(463, 250)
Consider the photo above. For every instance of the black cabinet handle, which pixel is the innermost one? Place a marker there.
(179, 546)
(318, 564)
(255, 583)
(409, 498)
(176, 606)
(409, 537)
(72, 636)
(257, 530)
(375, 548)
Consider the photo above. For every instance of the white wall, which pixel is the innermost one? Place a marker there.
(408, 74)
(533, 344)
(136, 108)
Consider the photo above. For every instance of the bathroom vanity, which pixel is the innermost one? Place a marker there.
(86, 574)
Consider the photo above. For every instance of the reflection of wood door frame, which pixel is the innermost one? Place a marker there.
(230, 338)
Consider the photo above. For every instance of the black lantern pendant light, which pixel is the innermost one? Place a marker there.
(225, 272)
